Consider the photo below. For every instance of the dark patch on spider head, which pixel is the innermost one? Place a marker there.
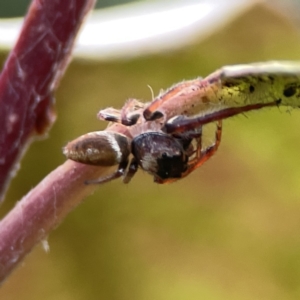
(171, 166)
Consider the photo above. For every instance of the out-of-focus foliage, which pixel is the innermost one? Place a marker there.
(228, 231)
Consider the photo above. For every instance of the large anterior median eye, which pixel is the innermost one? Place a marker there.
(160, 154)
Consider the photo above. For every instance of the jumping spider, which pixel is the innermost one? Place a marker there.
(164, 137)
(168, 157)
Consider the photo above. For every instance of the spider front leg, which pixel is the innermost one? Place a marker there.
(121, 171)
(131, 112)
(183, 123)
(128, 115)
(174, 98)
(132, 169)
(203, 155)
(117, 174)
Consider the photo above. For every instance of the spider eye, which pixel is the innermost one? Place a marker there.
(160, 154)
(164, 155)
(171, 166)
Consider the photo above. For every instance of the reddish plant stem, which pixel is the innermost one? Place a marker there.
(41, 210)
(31, 74)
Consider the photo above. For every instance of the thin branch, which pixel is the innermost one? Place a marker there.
(41, 210)
(32, 73)
(29, 78)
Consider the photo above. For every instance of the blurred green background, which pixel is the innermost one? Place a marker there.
(228, 231)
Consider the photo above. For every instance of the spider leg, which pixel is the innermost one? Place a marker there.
(132, 169)
(177, 91)
(198, 152)
(110, 114)
(131, 112)
(203, 156)
(117, 174)
(183, 123)
(128, 115)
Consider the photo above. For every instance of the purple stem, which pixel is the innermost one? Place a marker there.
(41, 210)
(32, 73)
(30, 76)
